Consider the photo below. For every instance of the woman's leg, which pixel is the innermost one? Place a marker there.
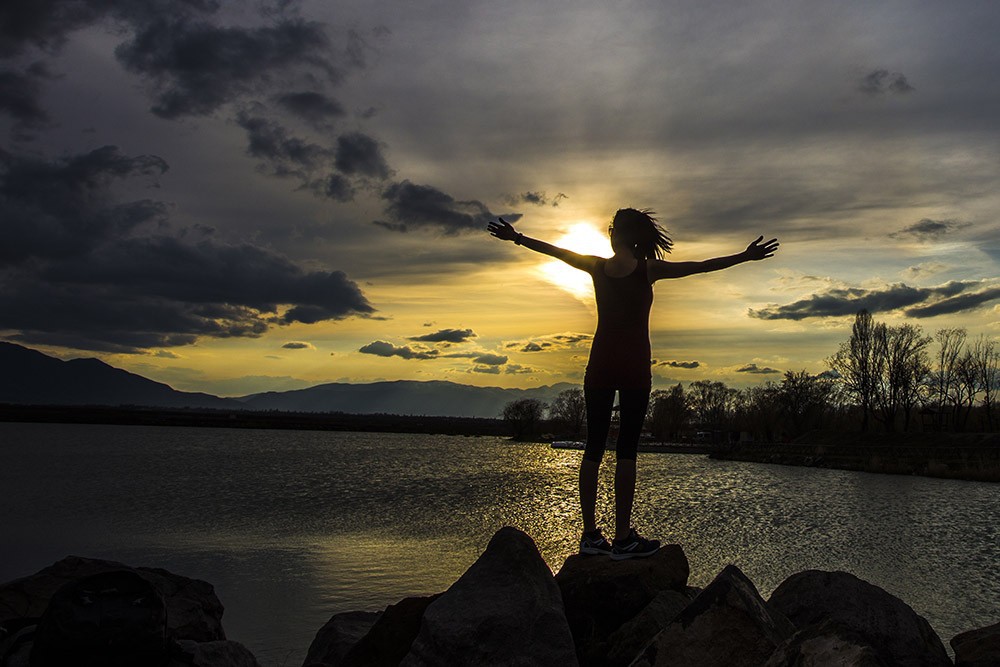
(632, 414)
(599, 404)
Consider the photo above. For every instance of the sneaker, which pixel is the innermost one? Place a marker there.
(594, 544)
(633, 546)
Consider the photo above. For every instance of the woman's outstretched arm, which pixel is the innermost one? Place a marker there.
(505, 232)
(658, 269)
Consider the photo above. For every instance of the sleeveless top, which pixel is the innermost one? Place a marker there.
(620, 353)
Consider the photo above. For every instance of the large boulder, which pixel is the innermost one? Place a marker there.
(827, 643)
(627, 641)
(212, 654)
(337, 636)
(601, 595)
(977, 648)
(727, 625)
(193, 610)
(504, 610)
(897, 633)
(390, 637)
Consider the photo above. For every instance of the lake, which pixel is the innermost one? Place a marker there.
(294, 526)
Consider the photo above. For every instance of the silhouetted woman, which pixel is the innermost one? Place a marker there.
(620, 356)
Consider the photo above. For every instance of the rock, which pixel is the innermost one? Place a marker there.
(898, 634)
(338, 635)
(826, 643)
(627, 641)
(600, 595)
(978, 648)
(390, 638)
(504, 610)
(727, 625)
(193, 610)
(212, 654)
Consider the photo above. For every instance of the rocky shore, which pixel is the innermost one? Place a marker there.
(509, 609)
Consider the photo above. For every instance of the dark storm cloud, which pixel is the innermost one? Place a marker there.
(680, 364)
(196, 67)
(382, 348)
(284, 154)
(358, 153)
(333, 186)
(411, 205)
(535, 198)
(83, 270)
(64, 208)
(20, 96)
(45, 24)
(754, 369)
(848, 301)
(882, 81)
(488, 359)
(213, 273)
(297, 345)
(956, 304)
(446, 336)
(928, 230)
(313, 107)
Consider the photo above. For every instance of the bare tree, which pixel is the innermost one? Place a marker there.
(570, 409)
(986, 358)
(901, 365)
(524, 415)
(856, 362)
(669, 413)
(943, 381)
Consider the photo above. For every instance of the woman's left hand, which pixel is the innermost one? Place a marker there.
(757, 250)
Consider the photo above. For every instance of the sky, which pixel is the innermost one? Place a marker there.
(248, 196)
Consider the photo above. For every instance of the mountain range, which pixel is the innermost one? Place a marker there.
(29, 377)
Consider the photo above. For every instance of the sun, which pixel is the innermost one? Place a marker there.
(586, 240)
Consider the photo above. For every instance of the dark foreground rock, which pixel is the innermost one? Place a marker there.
(897, 633)
(602, 595)
(193, 618)
(826, 643)
(338, 636)
(505, 609)
(978, 648)
(728, 624)
(193, 610)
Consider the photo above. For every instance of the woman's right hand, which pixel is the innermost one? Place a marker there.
(502, 230)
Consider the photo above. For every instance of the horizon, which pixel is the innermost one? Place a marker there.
(308, 204)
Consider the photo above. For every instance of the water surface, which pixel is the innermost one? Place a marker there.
(293, 526)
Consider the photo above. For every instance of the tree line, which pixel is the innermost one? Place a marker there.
(893, 378)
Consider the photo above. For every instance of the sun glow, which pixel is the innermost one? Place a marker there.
(586, 240)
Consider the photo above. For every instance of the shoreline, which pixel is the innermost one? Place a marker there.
(973, 457)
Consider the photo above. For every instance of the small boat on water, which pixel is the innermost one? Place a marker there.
(569, 444)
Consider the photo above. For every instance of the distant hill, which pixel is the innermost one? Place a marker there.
(29, 377)
(402, 397)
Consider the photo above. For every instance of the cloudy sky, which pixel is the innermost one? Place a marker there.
(240, 196)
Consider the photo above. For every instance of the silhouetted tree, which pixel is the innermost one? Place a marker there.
(901, 365)
(986, 358)
(803, 399)
(668, 412)
(856, 363)
(711, 402)
(523, 416)
(569, 408)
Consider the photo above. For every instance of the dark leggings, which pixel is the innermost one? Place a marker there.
(633, 404)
